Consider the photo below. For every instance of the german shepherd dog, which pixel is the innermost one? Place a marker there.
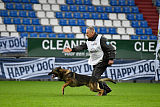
(73, 79)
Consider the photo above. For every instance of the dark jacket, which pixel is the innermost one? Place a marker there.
(107, 48)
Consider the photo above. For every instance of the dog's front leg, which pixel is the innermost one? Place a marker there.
(65, 85)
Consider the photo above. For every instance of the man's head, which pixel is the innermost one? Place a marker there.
(90, 31)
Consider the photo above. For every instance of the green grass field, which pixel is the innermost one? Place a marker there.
(48, 94)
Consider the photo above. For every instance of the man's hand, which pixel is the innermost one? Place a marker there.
(110, 62)
(67, 50)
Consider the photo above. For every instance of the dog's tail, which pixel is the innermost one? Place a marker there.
(107, 79)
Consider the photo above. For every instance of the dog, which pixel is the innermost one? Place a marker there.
(73, 79)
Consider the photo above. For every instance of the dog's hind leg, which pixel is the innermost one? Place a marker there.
(65, 85)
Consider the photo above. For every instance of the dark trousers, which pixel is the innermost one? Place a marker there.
(98, 71)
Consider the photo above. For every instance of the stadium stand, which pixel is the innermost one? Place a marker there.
(115, 19)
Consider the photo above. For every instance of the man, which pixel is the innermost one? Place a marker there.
(101, 53)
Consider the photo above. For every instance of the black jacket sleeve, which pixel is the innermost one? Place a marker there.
(80, 48)
(107, 48)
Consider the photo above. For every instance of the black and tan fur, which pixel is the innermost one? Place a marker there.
(75, 80)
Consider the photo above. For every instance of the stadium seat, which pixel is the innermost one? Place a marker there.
(46, 7)
(79, 36)
(55, 8)
(99, 23)
(139, 17)
(130, 31)
(19, 6)
(78, 2)
(2, 27)
(83, 29)
(26, 21)
(130, 17)
(24, 35)
(28, 7)
(72, 22)
(73, 8)
(86, 15)
(50, 14)
(53, 21)
(116, 37)
(135, 24)
(117, 9)
(34, 1)
(32, 14)
(4, 13)
(20, 28)
(87, 2)
(152, 37)
(0, 20)
(148, 31)
(134, 9)
(112, 16)
(77, 15)
(102, 30)
(29, 28)
(121, 31)
(96, 2)
(99, 9)
(143, 24)
(33, 35)
(61, 36)
(9, 6)
(2, 6)
(112, 31)
(43, 1)
(68, 15)
(69, 1)
(125, 37)
(113, 2)
(139, 31)
(16, 1)
(13, 13)
(108, 9)
(39, 29)
(63, 22)
(121, 16)
(51, 35)
(96, 29)
(35, 21)
(117, 23)
(37, 7)
(14, 34)
(143, 37)
(22, 14)
(67, 29)
(95, 16)
(6, 1)
(42, 35)
(16, 21)
(48, 29)
(82, 8)
(130, 3)
(7, 20)
(122, 2)
(126, 9)
(134, 37)
(53, 1)
(80, 22)
(108, 23)
(44, 21)
(59, 15)
(104, 16)
(11, 28)
(58, 29)
(76, 29)
(70, 36)
(90, 8)
(126, 24)
(25, 1)
(64, 8)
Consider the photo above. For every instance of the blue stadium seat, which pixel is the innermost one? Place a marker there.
(78, 2)
(33, 35)
(86, 15)
(16, 1)
(61, 36)
(20, 28)
(29, 28)
(95, 16)
(32, 14)
(96, 29)
(135, 24)
(4, 13)
(7, 20)
(34, 1)
(9, 6)
(83, 29)
(42, 35)
(143, 24)
(24, 35)
(52, 35)
(70, 36)
(16, 21)
(39, 29)
(104, 16)
(64, 8)
(25, 1)
(69, 1)
(77, 15)
(68, 15)
(73, 8)
(126, 9)
(112, 31)
(35, 21)
(143, 37)
(99, 9)
(22, 14)
(139, 17)
(139, 31)
(158, 3)
(19, 6)
(108, 9)
(28, 7)
(130, 3)
(26, 21)
(59, 15)
(148, 31)
(87, 2)
(103, 30)
(134, 9)
(130, 17)
(80, 22)
(82, 8)
(13, 13)
(72, 22)
(63, 22)
(48, 29)
(134, 37)
(122, 2)
(117, 9)
(90, 8)
(113, 2)
(153, 37)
